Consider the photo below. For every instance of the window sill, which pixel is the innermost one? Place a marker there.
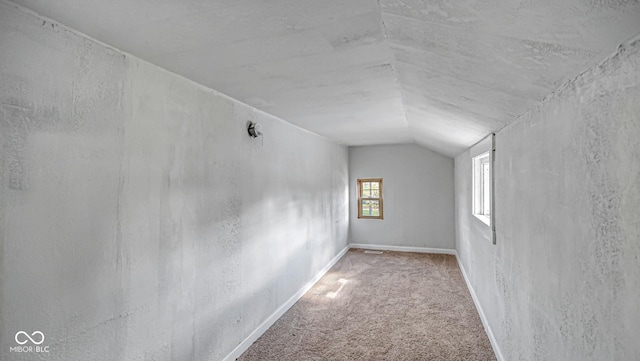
(486, 220)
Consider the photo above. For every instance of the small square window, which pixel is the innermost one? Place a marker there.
(482, 187)
(370, 198)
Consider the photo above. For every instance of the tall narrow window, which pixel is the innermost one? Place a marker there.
(482, 187)
(370, 198)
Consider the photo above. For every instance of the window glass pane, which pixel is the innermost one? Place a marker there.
(375, 185)
(366, 193)
(375, 193)
(366, 185)
(366, 208)
(375, 208)
(486, 191)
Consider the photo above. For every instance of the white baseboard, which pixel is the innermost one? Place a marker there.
(402, 248)
(264, 326)
(483, 317)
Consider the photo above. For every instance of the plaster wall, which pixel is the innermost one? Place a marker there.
(563, 281)
(417, 196)
(138, 221)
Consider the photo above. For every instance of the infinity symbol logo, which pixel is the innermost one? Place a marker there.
(29, 337)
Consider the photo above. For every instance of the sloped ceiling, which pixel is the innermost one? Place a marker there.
(439, 73)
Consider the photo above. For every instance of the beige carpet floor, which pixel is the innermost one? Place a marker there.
(390, 306)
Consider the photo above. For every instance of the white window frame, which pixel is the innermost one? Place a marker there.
(481, 188)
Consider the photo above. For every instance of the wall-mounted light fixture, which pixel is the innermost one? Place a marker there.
(254, 129)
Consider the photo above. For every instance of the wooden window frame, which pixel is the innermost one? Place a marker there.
(360, 198)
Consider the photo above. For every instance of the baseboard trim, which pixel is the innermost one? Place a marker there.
(402, 248)
(483, 317)
(264, 326)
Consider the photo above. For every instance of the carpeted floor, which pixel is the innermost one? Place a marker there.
(390, 306)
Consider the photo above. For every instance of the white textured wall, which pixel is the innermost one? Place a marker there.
(417, 192)
(563, 282)
(138, 221)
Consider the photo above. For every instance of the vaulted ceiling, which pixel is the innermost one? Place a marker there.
(440, 73)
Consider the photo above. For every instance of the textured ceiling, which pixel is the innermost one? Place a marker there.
(439, 73)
